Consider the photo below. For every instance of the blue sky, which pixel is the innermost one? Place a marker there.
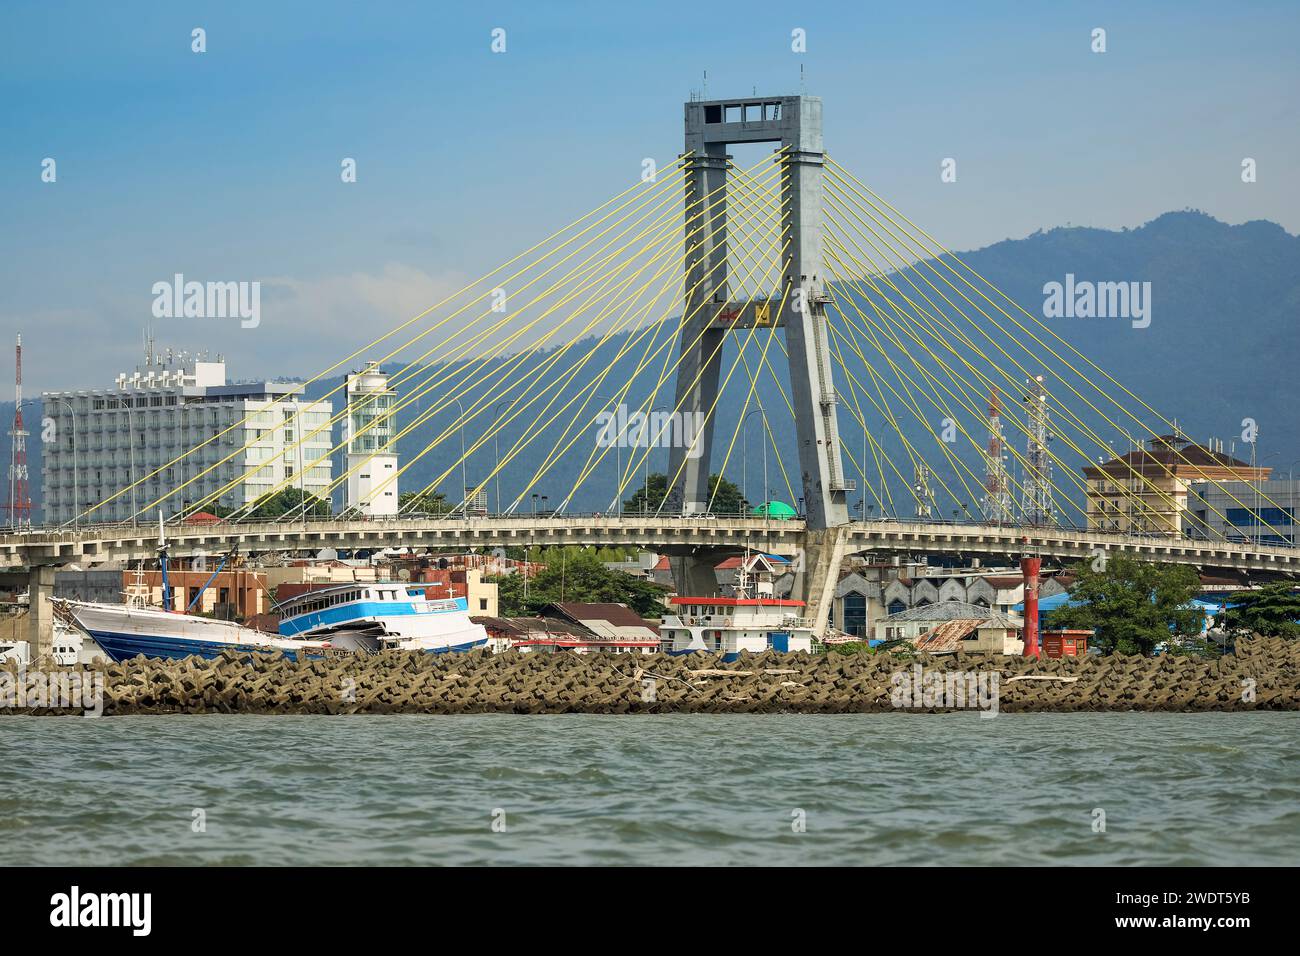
(226, 164)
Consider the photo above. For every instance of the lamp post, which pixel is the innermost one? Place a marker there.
(130, 443)
(464, 480)
(496, 452)
(76, 496)
(616, 503)
(645, 462)
(1259, 493)
(862, 471)
(744, 452)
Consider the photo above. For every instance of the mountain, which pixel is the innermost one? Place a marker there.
(1224, 303)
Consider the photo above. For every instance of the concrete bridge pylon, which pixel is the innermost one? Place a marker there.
(794, 124)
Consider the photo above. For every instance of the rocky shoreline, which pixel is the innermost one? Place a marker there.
(1264, 674)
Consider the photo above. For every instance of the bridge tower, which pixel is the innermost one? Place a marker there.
(794, 123)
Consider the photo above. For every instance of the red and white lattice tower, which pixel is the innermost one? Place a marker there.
(997, 487)
(1038, 506)
(20, 502)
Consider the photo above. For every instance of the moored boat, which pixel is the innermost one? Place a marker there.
(372, 617)
(126, 630)
(729, 625)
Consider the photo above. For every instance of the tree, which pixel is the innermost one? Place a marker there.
(1272, 611)
(289, 501)
(1132, 605)
(724, 495)
(424, 502)
(576, 574)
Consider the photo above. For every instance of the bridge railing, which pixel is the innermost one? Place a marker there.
(102, 531)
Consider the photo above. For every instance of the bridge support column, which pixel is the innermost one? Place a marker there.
(818, 573)
(693, 574)
(40, 613)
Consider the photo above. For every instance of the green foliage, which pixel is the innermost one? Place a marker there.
(428, 502)
(853, 647)
(1194, 647)
(1132, 605)
(1272, 611)
(289, 501)
(724, 494)
(576, 574)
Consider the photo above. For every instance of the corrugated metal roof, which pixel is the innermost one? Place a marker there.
(947, 637)
(605, 620)
(949, 611)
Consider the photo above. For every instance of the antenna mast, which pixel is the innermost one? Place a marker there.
(997, 488)
(20, 502)
(1037, 490)
(923, 493)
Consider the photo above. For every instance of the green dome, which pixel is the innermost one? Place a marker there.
(774, 509)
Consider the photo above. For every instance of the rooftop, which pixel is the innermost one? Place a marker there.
(1172, 453)
(951, 611)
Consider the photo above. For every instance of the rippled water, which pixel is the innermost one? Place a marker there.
(676, 789)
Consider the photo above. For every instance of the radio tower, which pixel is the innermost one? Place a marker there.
(20, 503)
(1038, 506)
(997, 489)
(923, 494)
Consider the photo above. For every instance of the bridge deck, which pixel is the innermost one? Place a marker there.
(106, 542)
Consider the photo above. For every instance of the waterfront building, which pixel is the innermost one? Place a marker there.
(582, 628)
(867, 593)
(1145, 491)
(916, 622)
(369, 430)
(1066, 643)
(972, 635)
(130, 438)
(1260, 511)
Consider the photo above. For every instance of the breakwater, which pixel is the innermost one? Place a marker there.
(1264, 674)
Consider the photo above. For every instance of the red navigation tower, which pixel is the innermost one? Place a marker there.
(20, 502)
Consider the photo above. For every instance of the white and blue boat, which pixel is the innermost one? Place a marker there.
(377, 616)
(127, 630)
(362, 618)
(134, 628)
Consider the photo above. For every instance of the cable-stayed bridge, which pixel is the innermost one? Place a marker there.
(911, 387)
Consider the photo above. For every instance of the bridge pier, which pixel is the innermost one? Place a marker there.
(818, 571)
(693, 574)
(40, 612)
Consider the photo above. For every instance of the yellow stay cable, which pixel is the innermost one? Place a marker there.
(1082, 425)
(436, 374)
(1052, 351)
(241, 422)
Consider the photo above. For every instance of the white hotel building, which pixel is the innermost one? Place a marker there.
(370, 429)
(105, 440)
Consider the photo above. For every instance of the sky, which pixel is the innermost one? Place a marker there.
(225, 165)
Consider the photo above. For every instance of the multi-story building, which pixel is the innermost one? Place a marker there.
(1145, 491)
(120, 448)
(369, 431)
(1259, 511)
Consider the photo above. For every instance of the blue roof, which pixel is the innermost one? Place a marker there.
(1060, 600)
(1050, 603)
